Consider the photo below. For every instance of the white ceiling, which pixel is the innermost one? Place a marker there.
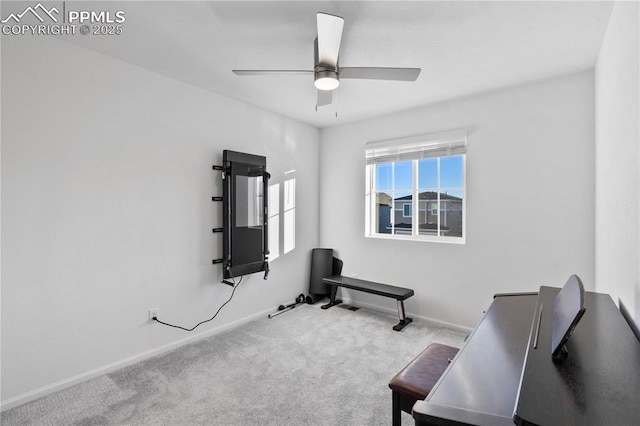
(463, 48)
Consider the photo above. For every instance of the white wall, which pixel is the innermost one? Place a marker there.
(530, 211)
(618, 161)
(107, 212)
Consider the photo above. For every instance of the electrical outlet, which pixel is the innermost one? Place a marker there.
(153, 312)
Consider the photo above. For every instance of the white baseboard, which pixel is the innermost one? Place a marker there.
(87, 375)
(429, 320)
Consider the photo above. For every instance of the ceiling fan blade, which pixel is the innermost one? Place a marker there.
(272, 72)
(325, 97)
(373, 73)
(329, 37)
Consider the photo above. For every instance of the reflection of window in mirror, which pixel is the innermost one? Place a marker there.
(289, 215)
(249, 201)
(274, 221)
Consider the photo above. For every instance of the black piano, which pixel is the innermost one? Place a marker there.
(505, 374)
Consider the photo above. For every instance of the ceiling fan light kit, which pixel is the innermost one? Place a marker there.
(326, 80)
(326, 71)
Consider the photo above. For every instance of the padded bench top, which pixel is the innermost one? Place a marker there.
(399, 293)
(420, 376)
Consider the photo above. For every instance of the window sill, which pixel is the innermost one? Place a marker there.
(422, 239)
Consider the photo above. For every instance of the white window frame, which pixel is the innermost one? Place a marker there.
(440, 145)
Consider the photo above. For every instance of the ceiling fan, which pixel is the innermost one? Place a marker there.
(326, 72)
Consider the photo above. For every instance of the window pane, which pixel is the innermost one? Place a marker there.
(451, 172)
(428, 216)
(274, 199)
(289, 216)
(402, 177)
(451, 213)
(383, 177)
(274, 221)
(274, 237)
(383, 213)
(289, 194)
(402, 205)
(289, 230)
(428, 173)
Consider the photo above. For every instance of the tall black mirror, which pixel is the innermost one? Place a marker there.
(245, 247)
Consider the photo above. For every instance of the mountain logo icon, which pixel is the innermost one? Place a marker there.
(34, 11)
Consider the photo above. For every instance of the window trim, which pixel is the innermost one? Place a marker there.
(446, 144)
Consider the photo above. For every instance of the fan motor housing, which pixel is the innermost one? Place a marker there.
(326, 77)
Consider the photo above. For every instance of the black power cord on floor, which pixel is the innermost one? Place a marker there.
(207, 320)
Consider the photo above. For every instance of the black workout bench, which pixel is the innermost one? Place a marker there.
(398, 293)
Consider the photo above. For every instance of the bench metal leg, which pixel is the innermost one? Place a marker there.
(395, 411)
(332, 298)
(404, 320)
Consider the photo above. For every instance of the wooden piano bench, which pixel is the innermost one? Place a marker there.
(416, 380)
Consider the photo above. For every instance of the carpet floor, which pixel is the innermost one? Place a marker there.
(304, 367)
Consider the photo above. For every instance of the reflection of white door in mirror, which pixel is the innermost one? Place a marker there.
(248, 208)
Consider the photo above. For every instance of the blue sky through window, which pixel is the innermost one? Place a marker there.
(450, 174)
(403, 171)
(428, 173)
(383, 177)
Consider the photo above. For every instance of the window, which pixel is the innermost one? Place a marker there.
(274, 221)
(289, 215)
(416, 188)
(281, 246)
